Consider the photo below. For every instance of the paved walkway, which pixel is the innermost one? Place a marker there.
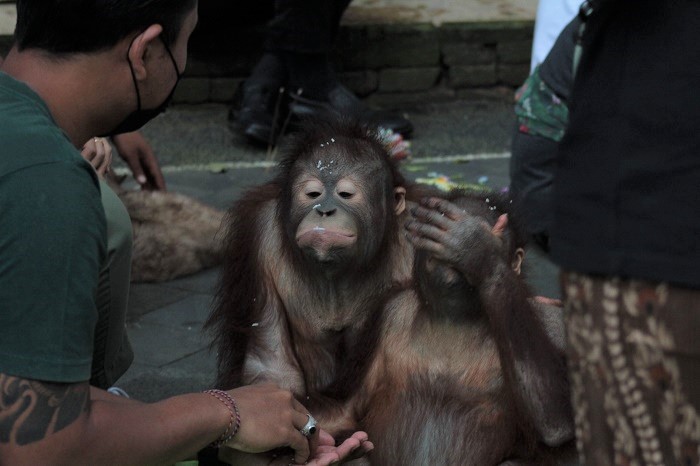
(439, 11)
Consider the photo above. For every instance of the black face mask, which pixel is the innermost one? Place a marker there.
(140, 117)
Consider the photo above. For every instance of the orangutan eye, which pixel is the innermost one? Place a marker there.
(346, 189)
(313, 194)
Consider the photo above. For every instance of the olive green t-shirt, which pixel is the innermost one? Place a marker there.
(52, 242)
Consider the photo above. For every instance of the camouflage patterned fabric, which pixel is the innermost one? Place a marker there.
(538, 109)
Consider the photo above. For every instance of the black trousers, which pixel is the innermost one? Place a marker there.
(303, 26)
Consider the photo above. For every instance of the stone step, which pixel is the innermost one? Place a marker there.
(384, 47)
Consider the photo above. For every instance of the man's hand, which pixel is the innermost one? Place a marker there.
(98, 152)
(138, 154)
(272, 418)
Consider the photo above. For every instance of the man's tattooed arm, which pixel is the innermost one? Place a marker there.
(31, 410)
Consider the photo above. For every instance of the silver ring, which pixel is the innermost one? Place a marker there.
(310, 428)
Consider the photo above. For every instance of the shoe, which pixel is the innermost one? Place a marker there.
(341, 101)
(254, 110)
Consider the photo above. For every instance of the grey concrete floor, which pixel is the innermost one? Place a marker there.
(475, 122)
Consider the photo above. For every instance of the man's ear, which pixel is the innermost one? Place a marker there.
(399, 200)
(140, 46)
(518, 260)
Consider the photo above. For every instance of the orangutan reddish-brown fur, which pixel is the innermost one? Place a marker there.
(318, 295)
(309, 257)
(470, 370)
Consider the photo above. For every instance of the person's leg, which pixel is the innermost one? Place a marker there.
(258, 100)
(112, 353)
(630, 343)
(304, 26)
(227, 14)
(338, 9)
(303, 33)
(299, 39)
(297, 42)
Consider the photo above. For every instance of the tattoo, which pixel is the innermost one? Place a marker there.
(31, 410)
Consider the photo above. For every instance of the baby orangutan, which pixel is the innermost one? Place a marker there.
(465, 372)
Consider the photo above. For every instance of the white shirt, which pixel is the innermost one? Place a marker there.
(552, 16)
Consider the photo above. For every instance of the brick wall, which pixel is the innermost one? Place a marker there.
(370, 59)
(377, 59)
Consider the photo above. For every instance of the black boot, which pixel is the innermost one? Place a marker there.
(314, 91)
(260, 103)
(341, 101)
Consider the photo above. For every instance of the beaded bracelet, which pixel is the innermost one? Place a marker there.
(232, 428)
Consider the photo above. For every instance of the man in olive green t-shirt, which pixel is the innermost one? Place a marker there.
(81, 68)
(52, 244)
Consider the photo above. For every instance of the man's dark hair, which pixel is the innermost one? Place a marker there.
(84, 26)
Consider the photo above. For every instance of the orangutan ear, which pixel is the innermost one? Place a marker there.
(399, 200)
(518, 260)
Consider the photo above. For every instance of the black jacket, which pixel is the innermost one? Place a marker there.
(627, 188)
(533, 157)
